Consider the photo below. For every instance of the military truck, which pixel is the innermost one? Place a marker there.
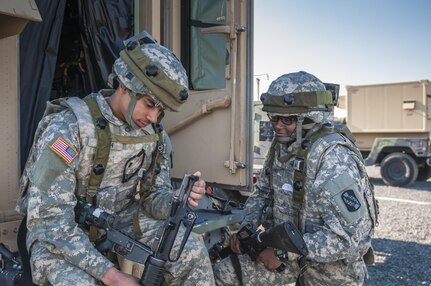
(392, 126)
(51, 49)
(391, 123)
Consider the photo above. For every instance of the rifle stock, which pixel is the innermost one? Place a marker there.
(284, 236)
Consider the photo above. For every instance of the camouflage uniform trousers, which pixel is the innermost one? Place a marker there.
(253, 273)
(192, 268)
(336, 273)
(54, 270)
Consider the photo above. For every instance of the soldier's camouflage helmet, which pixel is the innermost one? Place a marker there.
(154, 70)
(296, 93)
(301, 94)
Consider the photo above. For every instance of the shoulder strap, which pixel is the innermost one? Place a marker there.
(300, 170)
(103, 148)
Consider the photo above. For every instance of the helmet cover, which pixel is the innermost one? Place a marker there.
(153, 70)
(296, 93)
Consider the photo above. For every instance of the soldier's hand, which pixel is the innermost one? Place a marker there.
(198, 191)
(114, 277)
(268, 258)
(235, 244)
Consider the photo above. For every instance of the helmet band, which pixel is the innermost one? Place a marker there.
(169, 92)
(299, 102)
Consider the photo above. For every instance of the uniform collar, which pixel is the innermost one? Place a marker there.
(105, 108)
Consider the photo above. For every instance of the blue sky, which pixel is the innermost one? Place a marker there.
(349, 42)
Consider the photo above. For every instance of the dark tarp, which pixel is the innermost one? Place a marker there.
(103, 24)
(38, 55)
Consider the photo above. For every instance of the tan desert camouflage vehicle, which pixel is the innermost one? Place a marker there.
(391, 123)
(392, 126)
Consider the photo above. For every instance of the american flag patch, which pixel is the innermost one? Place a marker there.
(64, 150)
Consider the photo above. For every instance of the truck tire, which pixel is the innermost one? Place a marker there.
(398, 169)
(424, 173)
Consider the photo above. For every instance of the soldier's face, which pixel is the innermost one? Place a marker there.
(146, 112)
(282, 129)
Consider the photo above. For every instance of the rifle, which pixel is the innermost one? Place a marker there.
(153, 258)
(284, 236)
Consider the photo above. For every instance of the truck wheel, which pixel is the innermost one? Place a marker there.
(398, 169)
(424, 173)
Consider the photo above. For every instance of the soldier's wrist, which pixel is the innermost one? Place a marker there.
(281, 268)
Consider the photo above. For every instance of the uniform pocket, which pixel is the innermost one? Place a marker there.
(283, 202)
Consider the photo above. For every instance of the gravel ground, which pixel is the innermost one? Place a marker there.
(402, 243)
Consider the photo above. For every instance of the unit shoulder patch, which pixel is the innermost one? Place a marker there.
(350, 200)
(63, 149)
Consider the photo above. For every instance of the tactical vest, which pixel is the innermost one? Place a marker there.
(101, 162)
(320, 141)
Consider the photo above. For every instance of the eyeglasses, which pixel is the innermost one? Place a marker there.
(151, 102)
(287, 120)
(157, 103)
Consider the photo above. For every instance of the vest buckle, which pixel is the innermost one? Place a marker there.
(161, 148)
(298, 164)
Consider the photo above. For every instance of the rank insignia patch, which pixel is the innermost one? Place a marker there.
(350, 200)
(64, 150)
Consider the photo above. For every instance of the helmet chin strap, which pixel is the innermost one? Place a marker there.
(286, 139)
(132, 104)
(297, 134)
(298, 129)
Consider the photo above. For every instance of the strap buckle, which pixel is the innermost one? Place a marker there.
(161, 148)
(281, 268)
(298, 164)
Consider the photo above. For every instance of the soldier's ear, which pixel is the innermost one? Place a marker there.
(122, 89)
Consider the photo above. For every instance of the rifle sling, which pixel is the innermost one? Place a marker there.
(23, 252)
(300, 281)
(237, 266)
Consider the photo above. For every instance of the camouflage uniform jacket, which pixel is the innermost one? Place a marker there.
(337, 216)
(58, 169)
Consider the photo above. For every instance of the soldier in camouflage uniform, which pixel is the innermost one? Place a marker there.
(133, 176)
(336, 211)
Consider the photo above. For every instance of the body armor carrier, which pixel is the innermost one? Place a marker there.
(328, 135)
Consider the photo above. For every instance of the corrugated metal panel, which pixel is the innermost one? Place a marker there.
(9, 112)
